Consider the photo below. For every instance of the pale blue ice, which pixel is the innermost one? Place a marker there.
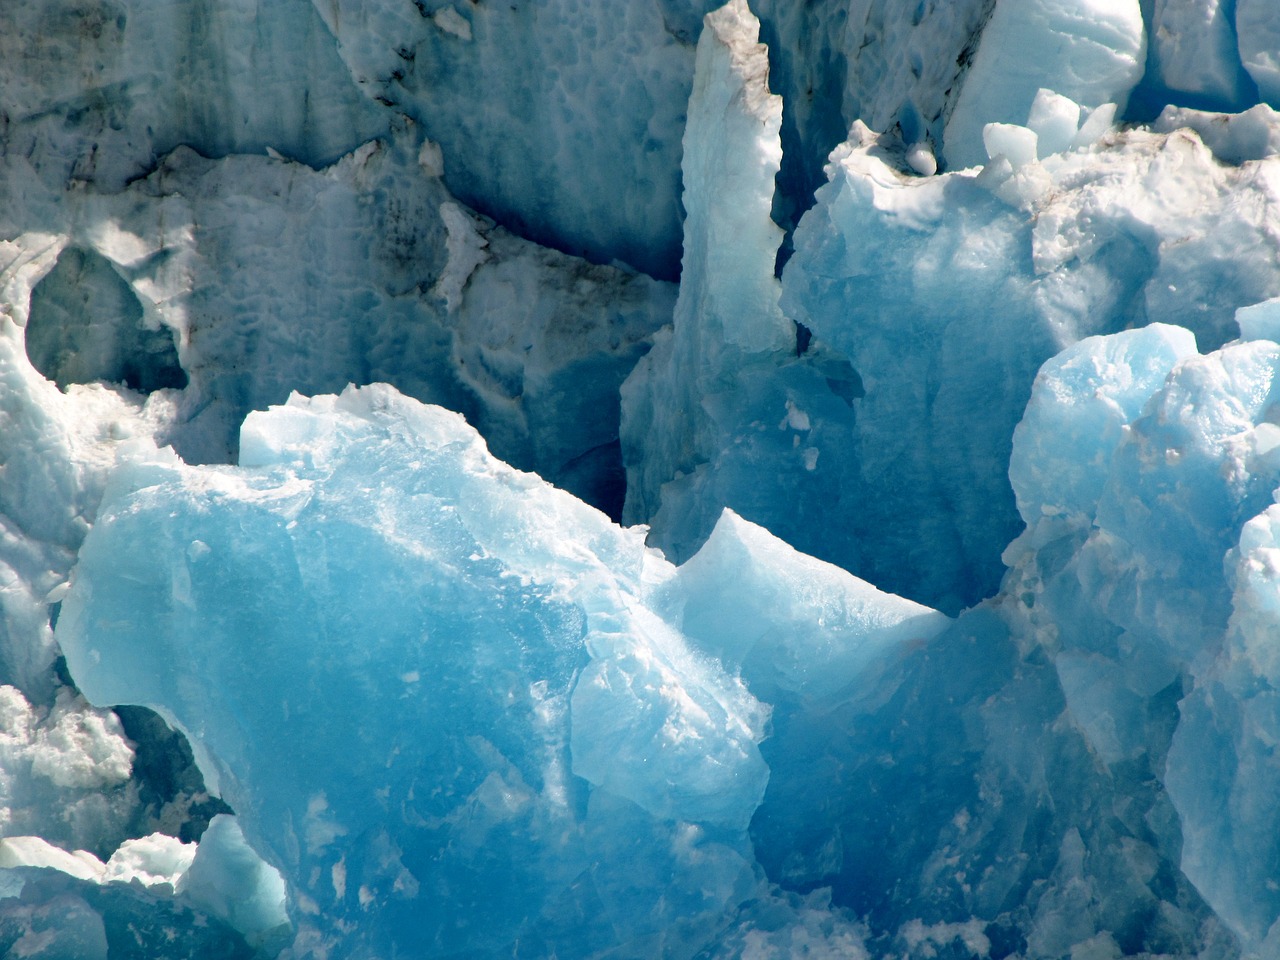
(642, 480)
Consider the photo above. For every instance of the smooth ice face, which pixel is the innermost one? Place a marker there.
(405, 647)
(795, 628)
(1258, 28)
(1196, 54)
(1260, 321)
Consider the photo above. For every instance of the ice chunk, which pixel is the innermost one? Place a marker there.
(35, 852)
(791, 625)
(731, 157)
(1233, 138)
(226, 878)
(921, 159)
(1222, 769)
(1016, 144)
(1081, 404)
(1055, 120)
(902, 275)
(1090, 51)
(81, 747)
(151, 860)
(1260, 321)
(370, 574)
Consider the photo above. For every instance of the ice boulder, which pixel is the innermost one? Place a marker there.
(1234, 138)
(1082, 403)
(902, 275)
(1260, 321)
(432, 687)
(1157, 607)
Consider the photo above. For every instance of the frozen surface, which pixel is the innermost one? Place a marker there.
(977, 663)
(1258, 27)
(518, 95)
(193, 274)
(1135, 228)
(95, 92)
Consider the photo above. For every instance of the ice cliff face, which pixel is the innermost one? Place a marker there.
(928, 351)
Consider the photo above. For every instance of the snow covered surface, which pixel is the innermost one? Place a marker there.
(943, 624)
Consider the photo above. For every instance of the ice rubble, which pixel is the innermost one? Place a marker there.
(458, 711)
(590, 771)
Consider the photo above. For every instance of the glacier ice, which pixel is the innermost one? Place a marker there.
(463, 598)
(1089, 51)
(1093, 240)
(928, 350)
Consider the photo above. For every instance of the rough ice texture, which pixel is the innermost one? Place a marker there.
(207, 260)
(904, 275)
(95, 92)
(518, 95)
(754, 754)
(503, 616)
(724, 392)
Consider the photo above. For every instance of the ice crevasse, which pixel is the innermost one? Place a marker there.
(941, 618)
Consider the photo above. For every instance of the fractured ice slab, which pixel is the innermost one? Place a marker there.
(904, 274)
(474, 646)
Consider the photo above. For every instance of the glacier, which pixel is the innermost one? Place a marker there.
(654, 479)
